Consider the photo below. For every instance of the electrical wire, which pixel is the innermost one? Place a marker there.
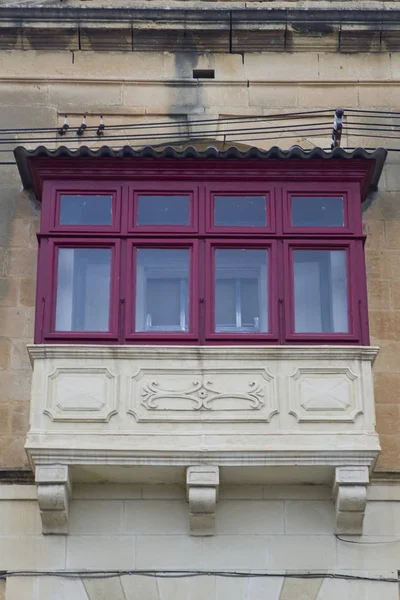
(362, 543)
(179, 574)
(136, 134)
(132, 141)
(249, 118)
(216, 131)
(374, 112)
(249, 132)
(195, 122)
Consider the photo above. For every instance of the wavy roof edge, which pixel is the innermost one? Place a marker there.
(22, 155)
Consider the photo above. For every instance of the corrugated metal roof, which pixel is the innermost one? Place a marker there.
(296, 152)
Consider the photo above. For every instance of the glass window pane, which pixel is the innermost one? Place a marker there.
(240, 211)
(241, 298)
(162, 296)
(320, 291)
(313, 211)
(85, 210)
(163, 210)
(83, 289)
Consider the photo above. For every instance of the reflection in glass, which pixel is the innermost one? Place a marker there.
(163, 210)
(83, 289)
(241, 301)
(85, 209)
(240, 211)
(162, 297)
(320, 291)
(317, 211)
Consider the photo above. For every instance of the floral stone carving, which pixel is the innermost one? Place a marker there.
(202, 396)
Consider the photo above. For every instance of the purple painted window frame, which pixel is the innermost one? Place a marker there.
(130, 292)
(201, 180)
(352, 219)
(352, 288)
(263, 337)
(168, 189)
(50, 222)
(252, 189)
(50, 289)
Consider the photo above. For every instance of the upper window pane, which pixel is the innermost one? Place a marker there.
(320, 291)
(85, 209)
(240, 211)
(317, 211)
(83, 289)
(163, 210)
(162, 296)
(241, 302)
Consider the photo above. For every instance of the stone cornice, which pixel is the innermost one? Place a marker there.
(204, 27)
(367, 353)
(202, 12)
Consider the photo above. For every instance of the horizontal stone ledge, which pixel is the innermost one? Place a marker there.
(204, 11)
(185, 83)
(76, 351)
(46, 455)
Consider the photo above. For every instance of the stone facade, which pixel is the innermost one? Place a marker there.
(43, 100)
(280, 529)
(275, 529)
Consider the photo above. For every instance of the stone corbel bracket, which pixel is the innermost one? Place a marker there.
(202, 484)
(350, 497)
(54, 491)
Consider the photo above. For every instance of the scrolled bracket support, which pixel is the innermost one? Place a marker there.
(202, 483)
(350, 497)
(54, 492)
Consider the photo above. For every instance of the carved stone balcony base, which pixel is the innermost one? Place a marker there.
(262, 414)
(54, 491)
(350, 495)
(202, 483)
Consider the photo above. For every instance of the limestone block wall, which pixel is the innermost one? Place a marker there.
(285, 530)
(19, 219)
(382, 226)
(38, 88)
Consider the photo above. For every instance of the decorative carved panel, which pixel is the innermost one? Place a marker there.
(325, 394)
(81, 394)
(203, 395)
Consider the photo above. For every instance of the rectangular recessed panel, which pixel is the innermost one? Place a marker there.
(85, 209)
(352, 40)
(83, 289)
(240, 211)
(10, 38)
(162, 295)
(320, 291)
(317, 211)
(390, 41)
(112, 39)
(50, 39)
(173, 40)
(163, 210)
(241, 303)
(258, 41)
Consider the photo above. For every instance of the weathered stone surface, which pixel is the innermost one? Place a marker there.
(379, 294)
(387, 388)
(300, 589)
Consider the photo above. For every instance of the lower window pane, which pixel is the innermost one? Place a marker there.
(241, 299)
(83, 289)
(320, 291)
(162, 297)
